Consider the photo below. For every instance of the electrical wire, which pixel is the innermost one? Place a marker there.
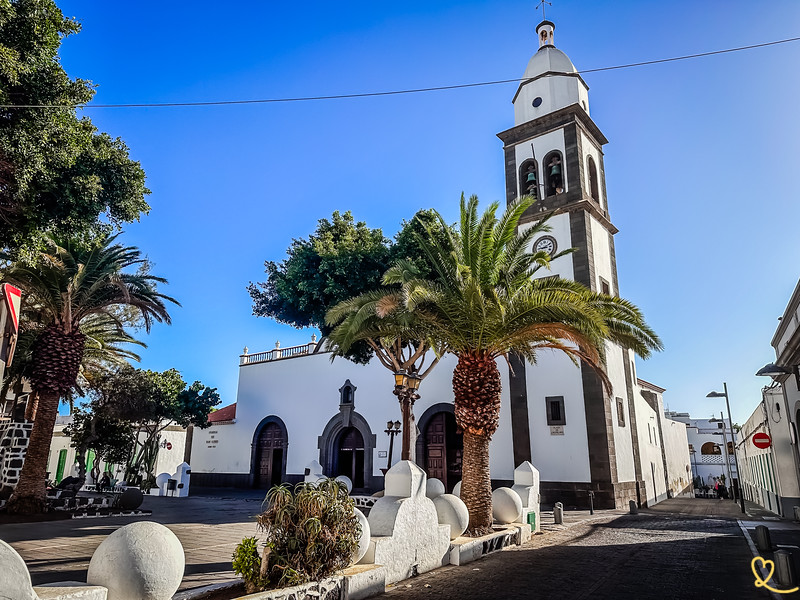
(394, 92)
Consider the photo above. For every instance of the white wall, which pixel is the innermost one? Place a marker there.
(167, 461)
(650, 450)
(558, 457)
(676, 446)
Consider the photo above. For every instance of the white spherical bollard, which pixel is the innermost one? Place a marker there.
(452, 511)
(457, 489)
(363, 541)
(434, 487)
(142, 560)
(506, 505)
(346, 481)
(16, 579)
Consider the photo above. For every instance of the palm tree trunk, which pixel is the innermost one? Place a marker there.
(29, 495)
(476, 483)
(476, 389)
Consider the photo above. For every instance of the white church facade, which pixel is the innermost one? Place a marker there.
(295, 406)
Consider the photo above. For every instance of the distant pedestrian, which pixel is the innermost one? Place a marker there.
(717, 487)
(105, 483)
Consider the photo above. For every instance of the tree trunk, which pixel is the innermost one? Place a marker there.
(476, 390)
(29, 495)
(56, 359)
(476, 483)
(408, 450)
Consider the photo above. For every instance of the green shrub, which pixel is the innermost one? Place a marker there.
(310, 533)
(247, 564)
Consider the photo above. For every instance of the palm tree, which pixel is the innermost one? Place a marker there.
(399, 339)
(484, 303)
(71, 284)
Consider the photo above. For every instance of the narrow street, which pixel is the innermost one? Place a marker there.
(650, 555)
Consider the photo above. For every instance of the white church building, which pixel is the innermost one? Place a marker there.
(295, 406)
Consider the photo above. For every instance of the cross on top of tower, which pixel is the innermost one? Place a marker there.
(542, 4)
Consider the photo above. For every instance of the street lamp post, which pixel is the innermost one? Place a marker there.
(392, 429)
(406, 385)
(737, 487)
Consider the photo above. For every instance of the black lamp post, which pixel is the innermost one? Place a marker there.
(392, 429)
(737, 488)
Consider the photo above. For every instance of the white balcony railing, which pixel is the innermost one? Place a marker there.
(278, 353)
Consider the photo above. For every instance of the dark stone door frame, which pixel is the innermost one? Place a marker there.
(254, 446)
(328, 443)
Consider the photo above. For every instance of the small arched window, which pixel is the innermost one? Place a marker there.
(554, 173)
(347, 393)
(594, 189)
(710, 448)
(529, 178)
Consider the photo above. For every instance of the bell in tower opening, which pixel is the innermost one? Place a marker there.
(555, 184)
(531, 183)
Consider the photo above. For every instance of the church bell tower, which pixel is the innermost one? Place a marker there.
(554, 152)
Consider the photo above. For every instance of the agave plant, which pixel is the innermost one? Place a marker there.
(311, 532)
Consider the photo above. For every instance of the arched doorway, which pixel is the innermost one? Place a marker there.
(444, 447)
(350, 456)
(269, 453)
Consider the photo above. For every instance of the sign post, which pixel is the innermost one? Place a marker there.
(10, 301)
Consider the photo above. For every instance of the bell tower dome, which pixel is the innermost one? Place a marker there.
(550, 82)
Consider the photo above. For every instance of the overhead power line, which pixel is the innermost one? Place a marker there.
(394, 92)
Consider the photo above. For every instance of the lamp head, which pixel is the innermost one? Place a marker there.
(400, 378)
(397, 425)
(389, 424)
(772, 370)
(715, 395)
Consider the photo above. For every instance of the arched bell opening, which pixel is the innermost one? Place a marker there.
(554, 173)
(529, 178)
(594, 188)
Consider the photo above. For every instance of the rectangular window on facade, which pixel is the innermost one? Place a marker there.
(555, 410)
(620, 413)
(650, 433)
(605, 287)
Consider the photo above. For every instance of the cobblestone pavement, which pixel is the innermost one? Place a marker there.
(643, 556)
(209, 529)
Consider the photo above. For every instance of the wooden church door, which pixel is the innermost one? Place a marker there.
(444, 447)
(350, 456)
(269, 462)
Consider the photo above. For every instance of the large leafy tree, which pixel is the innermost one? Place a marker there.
(112, 439)
(151, 401)
(70, 284)
(485, 302)
(339, 261)
(58, 174)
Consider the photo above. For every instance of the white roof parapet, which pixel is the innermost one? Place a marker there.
(279, 353)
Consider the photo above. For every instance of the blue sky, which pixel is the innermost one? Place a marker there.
(701, 166)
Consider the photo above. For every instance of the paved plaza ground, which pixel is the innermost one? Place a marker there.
(681, 548)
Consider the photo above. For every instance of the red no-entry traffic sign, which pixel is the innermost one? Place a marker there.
(762, 440)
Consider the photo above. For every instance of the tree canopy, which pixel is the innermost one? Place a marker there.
(339, 261)
(58, 174)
